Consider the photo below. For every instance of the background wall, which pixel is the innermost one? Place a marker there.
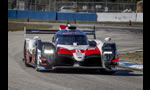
(12, 14)
(45, 15)
(120, 17)
(77, 16)
(139, 17)
(100, 17)
(36, 15)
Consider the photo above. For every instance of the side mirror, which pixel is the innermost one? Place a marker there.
(92, 43)
(107, 39)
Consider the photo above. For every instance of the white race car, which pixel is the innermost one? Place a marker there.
(70, 48)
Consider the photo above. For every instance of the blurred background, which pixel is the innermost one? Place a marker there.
(83, 6)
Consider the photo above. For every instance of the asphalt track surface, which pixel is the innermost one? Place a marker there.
(23, 78)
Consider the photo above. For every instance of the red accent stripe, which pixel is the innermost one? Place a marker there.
(92, 50)
(88, 51)
(115, 60)
(64, 51)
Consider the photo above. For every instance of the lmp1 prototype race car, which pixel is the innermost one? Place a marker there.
(70, 48)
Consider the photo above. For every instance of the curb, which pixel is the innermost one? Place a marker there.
(125, 64)
(133, 51)
(131, 65)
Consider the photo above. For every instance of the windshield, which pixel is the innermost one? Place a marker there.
(70, 39)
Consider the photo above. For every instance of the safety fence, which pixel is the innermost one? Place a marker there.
(89, 6)
(99, 17)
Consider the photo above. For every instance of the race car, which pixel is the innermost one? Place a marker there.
(69, 48)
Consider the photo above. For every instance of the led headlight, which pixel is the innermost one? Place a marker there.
(51, 51)
(108, 52)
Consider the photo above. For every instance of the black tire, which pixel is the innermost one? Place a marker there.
(25, 60)
(108, 57)
(109, 70)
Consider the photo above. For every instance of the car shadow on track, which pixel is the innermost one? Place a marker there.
(127, 73)
(92, 72)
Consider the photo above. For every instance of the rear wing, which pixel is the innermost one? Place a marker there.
(90, 32)
(35, 31)
(31, 31)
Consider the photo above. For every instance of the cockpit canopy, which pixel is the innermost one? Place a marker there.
(70, 39)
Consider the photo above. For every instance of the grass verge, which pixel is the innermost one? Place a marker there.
(80, 22)
(20, 27)
(136, 57)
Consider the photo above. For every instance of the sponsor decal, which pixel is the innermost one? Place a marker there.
(78, 52)
(91, 48)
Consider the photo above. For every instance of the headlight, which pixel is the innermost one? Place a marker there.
(51, 51)
(108, 52)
